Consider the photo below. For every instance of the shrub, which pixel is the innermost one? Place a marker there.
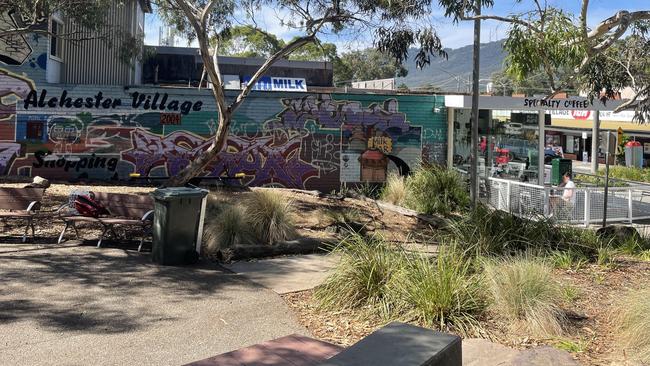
(364, 277)
(633, 324)
(525, 292)
(270, 215)
(395, 189)
(436, 190)
(606, 256)
(228, 227)
(568, 259)
(442, 292)
(572, 346)
(342, 216)
(370, 190)
(644, 255)
(570, 293)
(484, 231)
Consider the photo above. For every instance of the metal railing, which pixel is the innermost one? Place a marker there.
(585, 207)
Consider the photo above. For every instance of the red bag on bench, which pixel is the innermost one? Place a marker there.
(86, 205)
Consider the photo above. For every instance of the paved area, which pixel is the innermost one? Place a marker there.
(71, 305)
(286, 274)
(481, 352)
(292, 350)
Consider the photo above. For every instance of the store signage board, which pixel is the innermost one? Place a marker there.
(533, 103)
(271, 83)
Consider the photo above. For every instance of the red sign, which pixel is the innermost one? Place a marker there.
(170, 119)
(580, 114)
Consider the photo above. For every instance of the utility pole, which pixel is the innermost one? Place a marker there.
(474, 116)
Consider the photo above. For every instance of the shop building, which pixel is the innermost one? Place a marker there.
(287, 133)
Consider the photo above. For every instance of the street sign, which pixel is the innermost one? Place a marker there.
(620, 133)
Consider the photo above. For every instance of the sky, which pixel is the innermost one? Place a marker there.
(452, 35)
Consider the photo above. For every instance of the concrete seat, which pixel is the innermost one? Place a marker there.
(399, 344)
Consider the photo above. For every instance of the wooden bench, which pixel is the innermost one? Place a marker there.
(21, 204)
(124, 209)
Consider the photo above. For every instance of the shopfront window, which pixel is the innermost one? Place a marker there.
(508, 144)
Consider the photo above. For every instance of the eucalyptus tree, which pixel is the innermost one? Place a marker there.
(22, 17)
(547, 39)
(393, 27)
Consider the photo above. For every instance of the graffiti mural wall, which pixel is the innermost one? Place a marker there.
(312, 141)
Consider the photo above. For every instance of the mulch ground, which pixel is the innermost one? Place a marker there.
(599, 290)
(313, 214)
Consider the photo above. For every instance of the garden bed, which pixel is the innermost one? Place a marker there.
(589, 340)
(319, 220)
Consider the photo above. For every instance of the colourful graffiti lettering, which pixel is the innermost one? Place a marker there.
(8, 151)
(312, 141)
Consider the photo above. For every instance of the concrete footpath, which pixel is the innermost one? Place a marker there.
(287, 274)
(71, 305)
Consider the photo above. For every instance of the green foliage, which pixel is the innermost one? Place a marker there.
(343, 216)
(248, 41)
(536, 83)
(368, 64)
(403, 88)
(598, 181)
(644, 255)
(442, 292)
(251, 41)
(606, 256)
(625, 173)
(270, 215)
(394, 190)
(394, 26)
(436, 190)
(568, 259)
(632, 319)
(367, 189)
(572, 346)
(526, 294)
(364, 277)
(487, 232)
(89, 14)
(530, 52)
(570, 293)
(374, 277)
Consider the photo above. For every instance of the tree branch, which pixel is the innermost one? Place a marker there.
(583, 23)
(290, 47)
(629, 104)
(608, 24)
(501, 19)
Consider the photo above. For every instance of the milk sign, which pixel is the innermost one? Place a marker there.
(271, 83)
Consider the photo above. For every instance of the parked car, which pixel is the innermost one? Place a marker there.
(513, 128)
(550, 154)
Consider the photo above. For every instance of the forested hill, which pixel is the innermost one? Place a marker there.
(459, 63)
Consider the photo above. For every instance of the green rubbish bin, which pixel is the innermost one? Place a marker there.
(558, 168)
(177, 212)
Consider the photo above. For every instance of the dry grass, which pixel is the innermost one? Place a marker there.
(633, 324)
(270, 215)
(526, 294)
(228, 227)
(395, 190)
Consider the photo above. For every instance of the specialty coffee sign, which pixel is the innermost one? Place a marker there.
(557, 103)
(271, 83)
